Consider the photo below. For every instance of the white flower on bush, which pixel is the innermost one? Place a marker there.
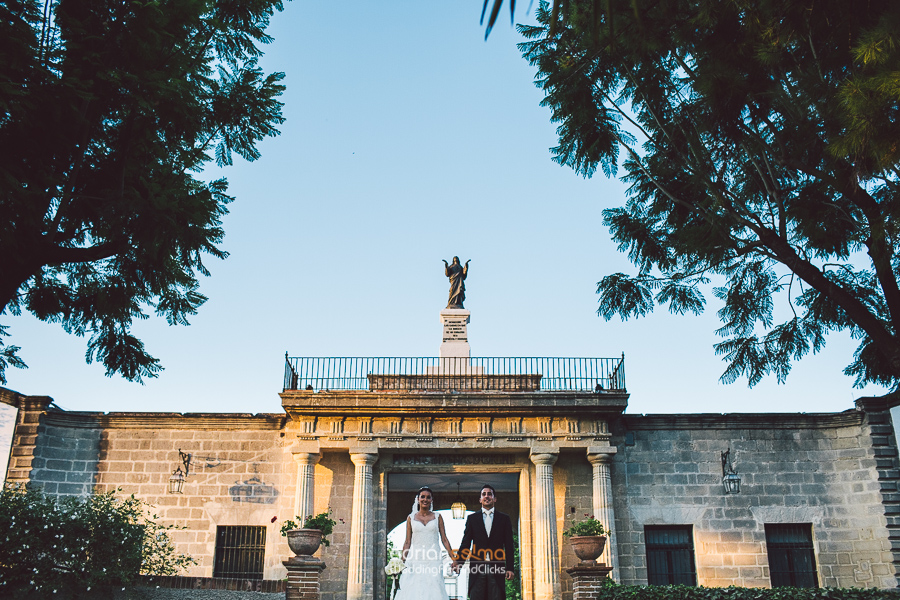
(395, 567)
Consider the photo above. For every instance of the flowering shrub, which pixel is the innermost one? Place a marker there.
(590, 526)
(321, 521)
(611, 591)
(49, 545)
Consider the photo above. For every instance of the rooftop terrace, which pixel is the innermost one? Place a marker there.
(422, 374)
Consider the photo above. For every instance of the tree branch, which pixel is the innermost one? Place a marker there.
(58, 255)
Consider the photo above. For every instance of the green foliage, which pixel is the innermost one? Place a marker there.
(321, 521)
(514, 585)
(589, 526)
(76, 544)
(759, 142)
(109, 110)
(611, 591)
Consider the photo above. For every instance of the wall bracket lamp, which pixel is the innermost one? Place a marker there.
(176, 481)
(730, 479)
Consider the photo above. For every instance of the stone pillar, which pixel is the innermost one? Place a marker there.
(306, 469)
(600, 457)
(303, 578)
(587, 580)
(25, 435)
(361, 567)
(546, 548)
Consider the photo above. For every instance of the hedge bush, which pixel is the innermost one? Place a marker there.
(683, 592)
(50, 545)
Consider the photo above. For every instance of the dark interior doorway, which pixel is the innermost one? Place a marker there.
(402, 488)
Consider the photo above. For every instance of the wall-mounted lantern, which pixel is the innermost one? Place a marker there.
(730, 479)
(176, 481)
(458, 507)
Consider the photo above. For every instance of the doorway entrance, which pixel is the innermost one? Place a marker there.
(448, 488)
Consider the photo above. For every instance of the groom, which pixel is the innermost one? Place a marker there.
(488, 546)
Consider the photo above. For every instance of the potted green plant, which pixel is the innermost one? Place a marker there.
(305, 540)
(588, 538)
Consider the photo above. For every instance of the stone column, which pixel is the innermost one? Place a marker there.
(361, 567)
(546, 548)
(303, 578)
(600, 457)
(306, 470)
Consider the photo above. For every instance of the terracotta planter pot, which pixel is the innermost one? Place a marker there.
(304, 542)
(588, 547)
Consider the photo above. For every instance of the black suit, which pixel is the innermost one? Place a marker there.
(490, 556)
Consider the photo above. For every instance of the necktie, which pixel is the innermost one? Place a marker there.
(488, 521)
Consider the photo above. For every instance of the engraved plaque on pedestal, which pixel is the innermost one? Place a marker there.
(455, 341)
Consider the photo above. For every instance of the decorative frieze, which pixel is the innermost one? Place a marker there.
(514, 429)
(497, 430)
(453, 459)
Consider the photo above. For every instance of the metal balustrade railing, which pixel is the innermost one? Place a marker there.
(462, 374)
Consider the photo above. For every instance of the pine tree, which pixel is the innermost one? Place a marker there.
(110, 108)
(759, 142)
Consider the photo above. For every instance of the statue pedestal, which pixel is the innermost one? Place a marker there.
(455, 342)
(455, 351)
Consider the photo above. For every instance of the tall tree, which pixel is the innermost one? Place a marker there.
(759, 142)
(108, 111)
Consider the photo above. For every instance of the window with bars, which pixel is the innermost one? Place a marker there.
(240, 552)
(670, 554)
(792, 559)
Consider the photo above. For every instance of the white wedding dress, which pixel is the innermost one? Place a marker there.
(423, 577)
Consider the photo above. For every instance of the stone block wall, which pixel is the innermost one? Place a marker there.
(573, 487)
(818, 469)
(334, 489)
(65, 462)
(839, 472)
(241, 471)
(239, 475)
(882, 433)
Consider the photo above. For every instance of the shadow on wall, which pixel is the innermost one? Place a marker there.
(66, 458)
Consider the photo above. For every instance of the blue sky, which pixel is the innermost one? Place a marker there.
(409, 139)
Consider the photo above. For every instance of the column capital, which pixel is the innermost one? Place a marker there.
(307, 458)
(544, 458)
(600, 454)
(363, 459)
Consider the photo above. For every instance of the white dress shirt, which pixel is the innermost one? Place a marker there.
(488, 516)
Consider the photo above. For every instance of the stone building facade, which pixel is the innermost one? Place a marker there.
(565, 452)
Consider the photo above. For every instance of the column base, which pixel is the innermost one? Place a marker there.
(587, 578)
(303, 577)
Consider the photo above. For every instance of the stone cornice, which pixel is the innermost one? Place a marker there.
(449, 404)
(150, 420)
(9, 397)
(14, 398)
(744, 421)
(879, 403)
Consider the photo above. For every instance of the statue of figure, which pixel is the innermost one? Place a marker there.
(457, 274)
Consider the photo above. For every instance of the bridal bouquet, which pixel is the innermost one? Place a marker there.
(393, 570)
(394, 567)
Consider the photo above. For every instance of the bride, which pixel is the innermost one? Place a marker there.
(423, 577)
